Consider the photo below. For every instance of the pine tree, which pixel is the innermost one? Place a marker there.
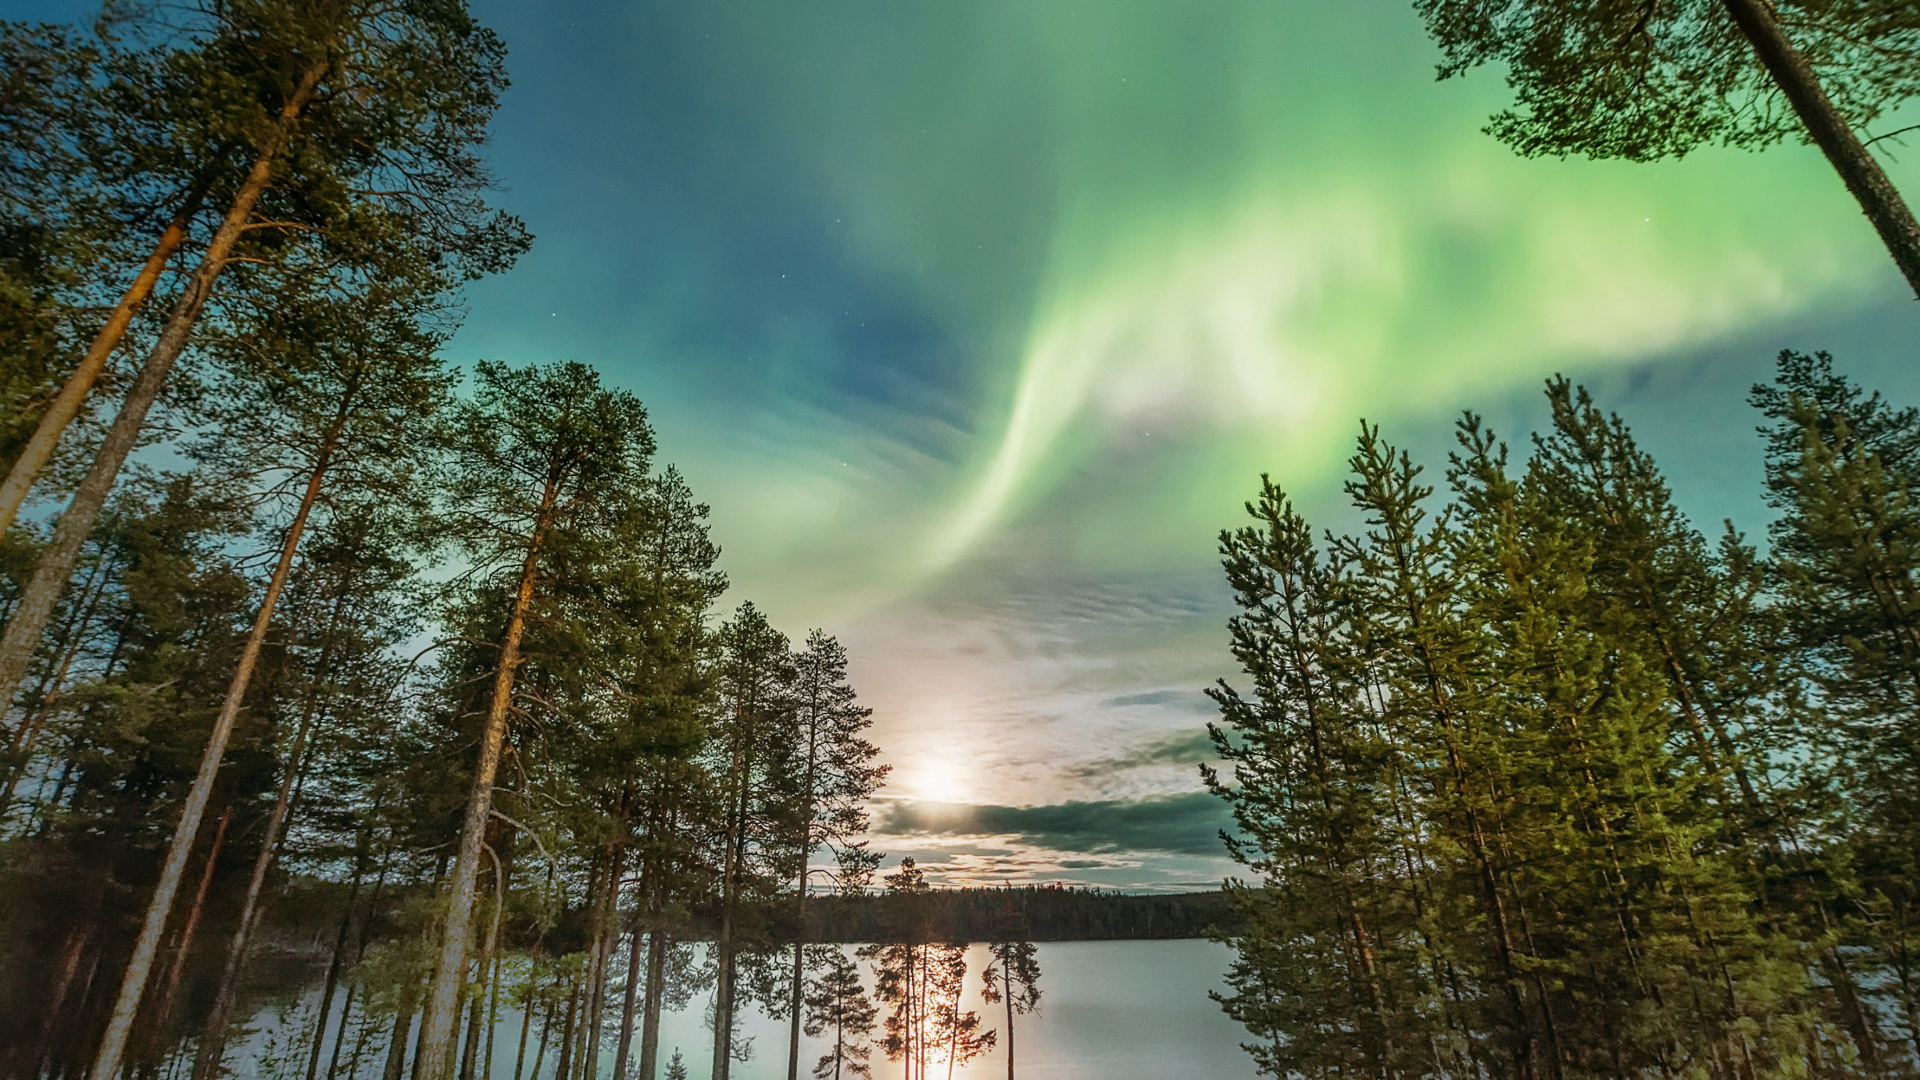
(830, 767)
(1645, 81)
(1310, 792)
(900, 967)
(1842, 469)
(539, 458)
(754, 673)
(953, 1032)
(1012, 975)
(837, 1003)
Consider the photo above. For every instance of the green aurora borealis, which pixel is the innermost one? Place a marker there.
(975, 322)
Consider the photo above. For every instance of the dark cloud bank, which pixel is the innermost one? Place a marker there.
(1186, 824)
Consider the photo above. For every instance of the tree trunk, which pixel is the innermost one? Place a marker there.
(443, 1001)
(56, 563)
(526, 1024)
(546, 1032)
(67, 403)
(333, 963)
(359, 954)
(213, 1042)
(627, 1004)
(397, 1049)
(723, 1002)
(28, 732)
(486, 968)
(1877, 196)
(493, 1009)
(1006, 982)
(604, 938)
(163, 1008)
(106, 1064)
(562, 1068)
(656, 987)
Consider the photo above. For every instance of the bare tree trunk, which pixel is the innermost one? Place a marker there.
(213, 1042)
(443, 1001)
(397, 1049)
(169, 986)
(1879, 200)
(1006, 983)
(723, 1002)
(526, 1024)
(106, 1064)
(486, 968)
(627, 1004)
(563, 1068)
(605, 937)
(67, 403)
(333, 964)
(656, 988)
(493, 1013)
(546, 1032)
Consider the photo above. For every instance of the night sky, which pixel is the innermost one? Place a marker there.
(975, 323)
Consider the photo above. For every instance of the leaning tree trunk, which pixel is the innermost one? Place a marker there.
(213, 1041)
(66, 404)
(156, 1023)
(627, 1003)
(332, 980)
(443, 1001)
(50, 575)
(1791, 72)
(106, 1064)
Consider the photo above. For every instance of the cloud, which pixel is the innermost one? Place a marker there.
(1183, 749)
(1186, 700)
(1187, 824)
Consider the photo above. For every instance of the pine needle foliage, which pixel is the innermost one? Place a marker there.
(1509, 779)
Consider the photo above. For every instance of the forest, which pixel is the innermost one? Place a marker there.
(1542, 781)
(408, 706)
(310, 636)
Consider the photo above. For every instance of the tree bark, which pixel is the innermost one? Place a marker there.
(28, 733)
(526, 1025)
(106, 1064)
(605, 937)
(67, 403)
(546, 1032)
(563, 1068)
(478, 1015)
(443, 1001)
(397, 1049)
(332, 981)
(170, 985)
(1006, 982)
(627, 1005)
(213, 1042)
(656, 986)
(1879, 200)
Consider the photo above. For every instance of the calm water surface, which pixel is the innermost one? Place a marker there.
(1110, 1010)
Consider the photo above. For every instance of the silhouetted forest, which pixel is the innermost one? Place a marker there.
(1044, 913)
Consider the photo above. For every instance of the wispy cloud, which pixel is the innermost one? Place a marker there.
(1186, 824)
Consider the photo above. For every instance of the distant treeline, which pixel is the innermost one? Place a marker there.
(1045, 913)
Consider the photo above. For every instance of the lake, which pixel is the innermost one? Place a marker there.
(1110, 1010)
